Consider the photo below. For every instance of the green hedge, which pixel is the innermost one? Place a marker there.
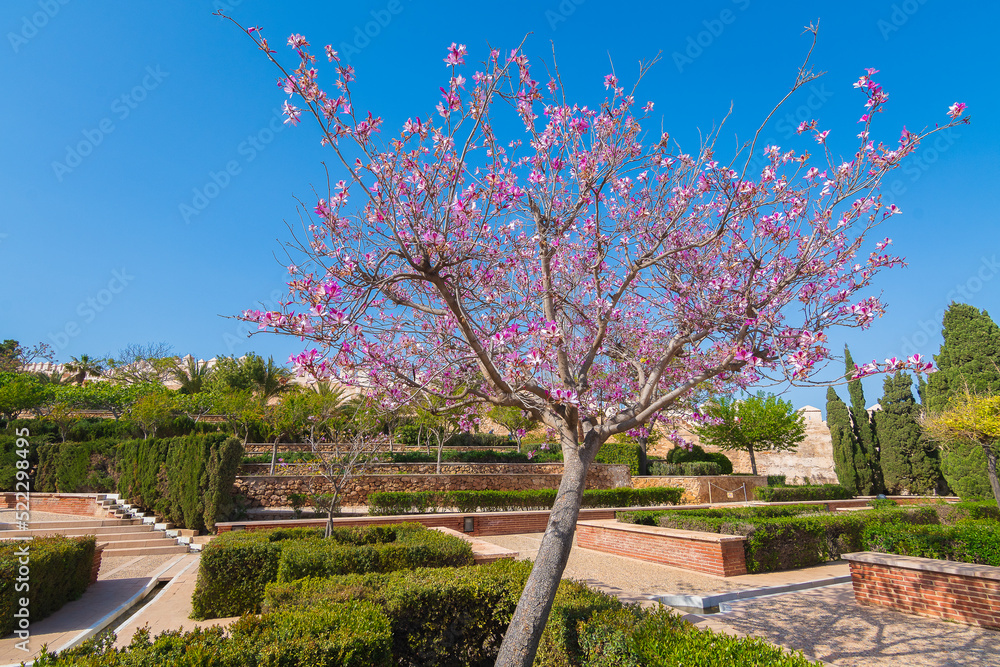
(782, 538)
(187, 480)
(58, 572)
(76, 467)
(691, 468)
(785, 494)
(9, 456)
(392, 503)
(968, 541)
(353, 634)
(620, 453)
(236, 567)
(433, 618)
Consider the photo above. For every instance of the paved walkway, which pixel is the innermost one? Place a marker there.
(824, 623)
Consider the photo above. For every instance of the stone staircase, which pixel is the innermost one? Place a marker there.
(125, 532)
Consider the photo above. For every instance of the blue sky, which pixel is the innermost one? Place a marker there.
(124, 117)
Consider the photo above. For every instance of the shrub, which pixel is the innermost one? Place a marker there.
(882, 503)
(188, 480)
(969, 541)
(59, 571)
(76, 467)
(693, 468)
(423, 502)
(784, 494)
(776, 480)
(236, 567)
(9, 457)
(622, 453)
(951, 513)
(354, 634)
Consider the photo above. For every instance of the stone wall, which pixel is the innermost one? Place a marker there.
(813, 459)
(268, 491)
(613, 475)
(708, 489)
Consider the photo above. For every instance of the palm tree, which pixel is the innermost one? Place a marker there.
(270, 379)
(191, 375)
(54, 378)
(83, 366)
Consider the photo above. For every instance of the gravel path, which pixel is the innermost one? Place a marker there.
(828, 625)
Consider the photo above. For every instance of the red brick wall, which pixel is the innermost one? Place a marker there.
(98, 555)
(720, 555)
(969, 600)
(57, 503)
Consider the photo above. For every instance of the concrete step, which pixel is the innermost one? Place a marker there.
(118, 545)
(90, 522)
(74, 532)
(145, 551)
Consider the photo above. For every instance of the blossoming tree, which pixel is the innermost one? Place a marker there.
(582, 271)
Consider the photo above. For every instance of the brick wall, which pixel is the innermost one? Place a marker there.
(959, 592)
(96, 567)
(58, 503)
(710, 553)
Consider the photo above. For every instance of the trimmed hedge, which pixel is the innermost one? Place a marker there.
(620, 453)
(968, 541)
(187, 481)
(76, 467)
(9, 456)
(691, 468)
(59, 571)
(236, 567)
(433, 618)
(353, 634)
(391, 503)
(781, 538)
(785, 494)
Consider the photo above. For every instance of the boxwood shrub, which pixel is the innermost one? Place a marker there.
(236, 567)
(59, 571)
(693, 468)
(968, 541)
(623, 453)
(391, 503)
(784, 494)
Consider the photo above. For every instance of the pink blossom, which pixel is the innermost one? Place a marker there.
(956, 109)
(292, 113)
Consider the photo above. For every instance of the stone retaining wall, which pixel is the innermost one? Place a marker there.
(960, 592)
(707, 489)
(268, 491)
(614, 475)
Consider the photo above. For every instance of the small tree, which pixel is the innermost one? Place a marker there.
(972, 419)
(151, 363)
(20, 392)
(83, 367)
(514, 248)
(191, 374)
(908, 461)
(838, 420)
(517, 421)
(151, 411)
(761, 423)
(869, 470)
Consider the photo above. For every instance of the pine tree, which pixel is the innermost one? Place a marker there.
(909, 462)
(838, 420)
(868, 469)
(969, 358)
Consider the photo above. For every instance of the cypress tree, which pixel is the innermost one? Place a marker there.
(867, 466)
(969, 358)
(838, 420)
(909, 462)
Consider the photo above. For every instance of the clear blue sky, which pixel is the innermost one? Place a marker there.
(118, 113)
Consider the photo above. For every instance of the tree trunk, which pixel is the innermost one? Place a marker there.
(274, 455)
(521, 639)
(643, 457)
(753, 461)
(991, 470)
